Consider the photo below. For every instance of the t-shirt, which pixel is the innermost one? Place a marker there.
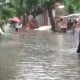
(18, 25)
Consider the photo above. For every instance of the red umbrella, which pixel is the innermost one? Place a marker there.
(15, 19)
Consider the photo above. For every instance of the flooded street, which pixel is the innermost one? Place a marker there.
(38, 55)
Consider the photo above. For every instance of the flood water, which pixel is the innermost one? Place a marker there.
(38, 55)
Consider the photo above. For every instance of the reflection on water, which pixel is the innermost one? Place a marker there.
(39, 55)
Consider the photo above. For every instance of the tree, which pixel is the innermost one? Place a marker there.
(48, 5)
(6, 12)
(23, 7)
(71, 5)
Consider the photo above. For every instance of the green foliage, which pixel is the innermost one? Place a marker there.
(47, 2)
(16, 7)
(71, 9)
(71, 5)
(7, 12)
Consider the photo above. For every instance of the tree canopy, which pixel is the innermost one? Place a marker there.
(15, 7)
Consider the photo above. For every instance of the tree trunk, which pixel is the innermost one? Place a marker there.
(45, 15)
(23, 21)
(26, 18)
(52, 20)
(34, 14)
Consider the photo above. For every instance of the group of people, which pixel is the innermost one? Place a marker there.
(30, 24)
(69, 25)
(64, 25)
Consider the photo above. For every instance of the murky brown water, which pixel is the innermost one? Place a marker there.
(39, 55)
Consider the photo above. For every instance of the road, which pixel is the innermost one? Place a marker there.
(39, 55)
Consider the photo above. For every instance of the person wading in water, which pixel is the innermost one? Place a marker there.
(78, 50)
